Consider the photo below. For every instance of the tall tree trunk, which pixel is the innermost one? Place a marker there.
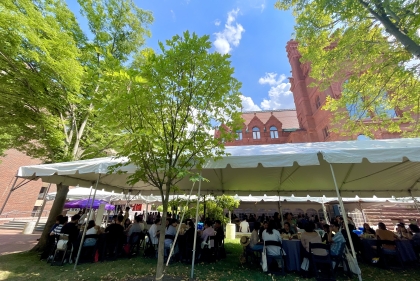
(56, 209)
(161, 249)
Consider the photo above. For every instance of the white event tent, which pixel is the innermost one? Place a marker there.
(383, 168)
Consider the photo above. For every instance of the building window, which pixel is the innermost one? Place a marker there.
(326, 132)
(274, 133)
(42, 193)
(317, 102)
(239, 135)
(256, 133)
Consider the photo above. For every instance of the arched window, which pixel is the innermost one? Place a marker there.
(317, 102)
(239, 135)
(256, 133)
(274, 133)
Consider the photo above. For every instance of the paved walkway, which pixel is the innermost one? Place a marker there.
(13, 241)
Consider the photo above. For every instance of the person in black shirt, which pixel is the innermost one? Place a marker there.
(72, 230)
(115, 235)
(287, 229)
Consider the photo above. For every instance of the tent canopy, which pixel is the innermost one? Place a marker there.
(383, 168)
(83, 192)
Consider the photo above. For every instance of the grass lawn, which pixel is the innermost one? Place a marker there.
(24, 266)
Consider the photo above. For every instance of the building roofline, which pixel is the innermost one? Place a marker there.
(274, 110)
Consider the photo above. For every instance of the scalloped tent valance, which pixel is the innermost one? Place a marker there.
(383, 168)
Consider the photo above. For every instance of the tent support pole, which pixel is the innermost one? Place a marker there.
(281, 211)
(8, 195)
(363, 212)
(196, 225)
(86, 224)
(145, 213)
(346, 222)
(43, 206)
(179, 227)
(324, 210)
(415, 201)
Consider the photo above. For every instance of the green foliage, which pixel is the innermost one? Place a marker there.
(165, 107)
(51, 73)
(215, 207)
(166, 123)
(375, 47)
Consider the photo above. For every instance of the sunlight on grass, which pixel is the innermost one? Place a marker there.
(4, 275)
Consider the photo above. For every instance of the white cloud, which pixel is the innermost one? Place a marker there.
(279, 95)
(217, 22)
(173, 15)
(230, 36)
(248, 104)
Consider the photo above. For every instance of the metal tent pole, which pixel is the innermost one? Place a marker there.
(86, 224)
(324, 210)
(340, 200)
(363, 212)
(8, 195)
(43, 206)
(195, 232)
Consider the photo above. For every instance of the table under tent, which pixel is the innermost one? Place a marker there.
(384, 168)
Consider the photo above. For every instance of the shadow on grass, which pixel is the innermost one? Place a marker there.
(26, 265)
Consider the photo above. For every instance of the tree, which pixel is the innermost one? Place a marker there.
(215, 207)
(167, 109)
(51, 75)
(373, 49)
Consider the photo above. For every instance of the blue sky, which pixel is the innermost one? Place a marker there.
(251, 31)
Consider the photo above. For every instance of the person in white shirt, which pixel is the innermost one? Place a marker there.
(154, 232)
(244, 226)
(91, 230)
(272, 234)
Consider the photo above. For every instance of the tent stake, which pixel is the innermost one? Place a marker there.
(86, 224)
(340, 200)
(196, 225)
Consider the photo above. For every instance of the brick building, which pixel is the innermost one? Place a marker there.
(306, 123)
(24, 200)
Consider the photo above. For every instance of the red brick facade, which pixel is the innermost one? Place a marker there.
(23, 199)
(307, 123)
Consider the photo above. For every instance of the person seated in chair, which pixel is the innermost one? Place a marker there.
(354, 238)
(287, 229)
(57, 230)
(327, 230)
(244, 226)
(72, 230)
(367, 229)
(171, 230)
(255, 239)
(311, 236)
(402, 232)
(383, 234)
(337, 240)
(116, 233)
(90, 231)
(135, 227)
(154, 232)
(272, 234)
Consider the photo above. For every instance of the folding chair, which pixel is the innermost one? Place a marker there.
(324, 260)
(340, 258)
(61, 248)
(134, 243)
(384, 252)
(277, 258)
(88, 252)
